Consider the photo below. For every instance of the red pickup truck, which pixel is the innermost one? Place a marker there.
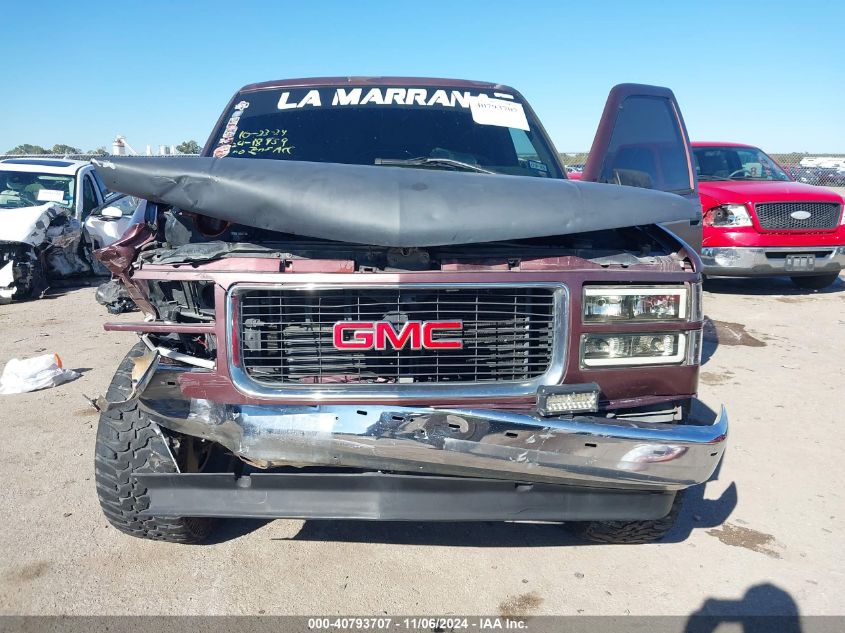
(759, 222)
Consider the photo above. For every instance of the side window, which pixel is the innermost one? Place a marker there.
(523, 145)
(89, 197)
(100, 185)
(647, 148)
(126, 204)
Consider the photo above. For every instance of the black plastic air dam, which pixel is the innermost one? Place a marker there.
(390, 497)
(388, 206)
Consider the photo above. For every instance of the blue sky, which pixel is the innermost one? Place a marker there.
(769, 73)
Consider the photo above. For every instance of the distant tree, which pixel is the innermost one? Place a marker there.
(100, 151)
(26, 148)
(188, 147)
(59, 148)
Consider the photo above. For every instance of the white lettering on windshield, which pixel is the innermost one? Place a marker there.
(486, 110)
(341, 97)
(312, 99)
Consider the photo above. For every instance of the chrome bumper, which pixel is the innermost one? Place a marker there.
(582, 451)
(748, 262)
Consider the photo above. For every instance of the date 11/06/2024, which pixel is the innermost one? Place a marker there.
(417, 624)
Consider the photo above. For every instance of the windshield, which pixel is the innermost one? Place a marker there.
(735, 163)
(424, 128)
(30, 189)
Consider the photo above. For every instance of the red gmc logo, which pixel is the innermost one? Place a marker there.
(381, 335)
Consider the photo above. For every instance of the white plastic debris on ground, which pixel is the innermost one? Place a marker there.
(31, 374)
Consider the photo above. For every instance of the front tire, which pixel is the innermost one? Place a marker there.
(628, 532)
(815, 282)
(129, 442)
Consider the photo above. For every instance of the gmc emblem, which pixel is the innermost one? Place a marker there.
(418, 335)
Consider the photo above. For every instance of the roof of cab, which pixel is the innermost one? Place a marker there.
(43, 165)
(720, 144)
(313, 82)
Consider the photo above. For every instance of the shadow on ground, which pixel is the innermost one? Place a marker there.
(765, 608)
(764, 286)
(60, 287)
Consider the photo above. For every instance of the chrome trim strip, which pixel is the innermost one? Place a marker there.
(481, 390)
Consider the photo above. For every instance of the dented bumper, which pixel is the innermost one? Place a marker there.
(582, 450)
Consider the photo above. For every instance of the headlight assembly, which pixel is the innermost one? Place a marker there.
(728, 215)
(603, 304)
(660, 348)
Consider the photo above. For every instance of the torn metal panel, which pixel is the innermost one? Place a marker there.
(118, 257)
(63, 249)
(143, 369)
(38, 241)
(28, 224)
(388, 206)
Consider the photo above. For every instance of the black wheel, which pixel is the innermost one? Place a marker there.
(628, 532)
(815, 282)
(128, 442)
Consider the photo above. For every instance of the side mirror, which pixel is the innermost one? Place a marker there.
(112, 212)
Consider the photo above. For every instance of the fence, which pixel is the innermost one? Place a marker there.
(826, 170)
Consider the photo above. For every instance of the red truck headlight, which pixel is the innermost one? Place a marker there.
(728, 215)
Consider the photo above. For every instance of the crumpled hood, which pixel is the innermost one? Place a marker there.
(387, 206)
(24, 224)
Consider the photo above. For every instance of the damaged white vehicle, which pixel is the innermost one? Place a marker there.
(53, 213)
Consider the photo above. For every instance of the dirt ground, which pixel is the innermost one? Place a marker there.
(763, 537)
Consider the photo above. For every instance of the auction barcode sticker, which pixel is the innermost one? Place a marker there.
(488, 111)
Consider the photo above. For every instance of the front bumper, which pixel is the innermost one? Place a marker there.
(589, 451)
(765, 262)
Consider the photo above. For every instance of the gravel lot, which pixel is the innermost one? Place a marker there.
(765, 536)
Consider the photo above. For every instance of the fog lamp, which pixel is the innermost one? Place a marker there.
(562, 399)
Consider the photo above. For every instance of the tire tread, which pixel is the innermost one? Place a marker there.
(128, 442)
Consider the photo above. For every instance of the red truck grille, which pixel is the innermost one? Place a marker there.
(793, 216)
(286, 335)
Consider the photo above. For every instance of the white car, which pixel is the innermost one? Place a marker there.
(53, 213)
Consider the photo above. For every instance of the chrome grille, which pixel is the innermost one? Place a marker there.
(778, 215)
(286, 338)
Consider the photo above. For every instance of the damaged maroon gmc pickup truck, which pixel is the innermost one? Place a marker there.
(381, 298)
